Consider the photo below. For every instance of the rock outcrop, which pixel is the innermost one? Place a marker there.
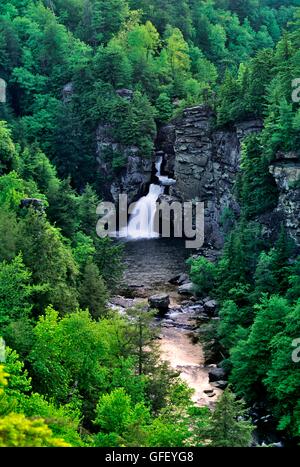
(160, 302)
(286, 171)
(206, 163)
(134, 174)
(67, 92)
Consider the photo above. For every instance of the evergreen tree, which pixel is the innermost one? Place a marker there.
(228, 426)
(8, 151)
(107, 19)
(257, 187)
(15, 291)
(92, 291)
(87, 206)
(164, 107)
(50, 261)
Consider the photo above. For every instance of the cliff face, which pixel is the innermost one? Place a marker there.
(286, 171)
(206, 165)
(132, 177)
(207, 162)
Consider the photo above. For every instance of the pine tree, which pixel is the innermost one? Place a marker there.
(164, 107)
(92, 291)
(228, 425)
(88, 203)
(8, 151)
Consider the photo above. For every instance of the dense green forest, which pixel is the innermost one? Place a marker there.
(76, 373)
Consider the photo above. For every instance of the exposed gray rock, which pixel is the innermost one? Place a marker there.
(197, 308)
(186, 289)
(67, 92)
(220, 384)
(34, 203)
(136, 173)
(174, 280)
(183, 279)
(126, 94)
(206, 165)
(202, 318)
(216, 374)
(161, 302)
(287, 176)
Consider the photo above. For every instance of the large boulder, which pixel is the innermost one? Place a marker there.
(67, 92)
(186, 289)
(221, 385)
(183, 279)
(161, 302)
(216, 374)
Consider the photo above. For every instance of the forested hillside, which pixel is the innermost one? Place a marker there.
(76, 373)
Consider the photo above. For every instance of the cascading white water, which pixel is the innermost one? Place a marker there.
(163, 179)
(142, 222)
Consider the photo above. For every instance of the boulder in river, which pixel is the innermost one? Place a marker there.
(186, 289)
(183, 279)
(161, 302)
(216, 374)
(221, 384)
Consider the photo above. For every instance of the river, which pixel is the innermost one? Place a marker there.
(150, 265)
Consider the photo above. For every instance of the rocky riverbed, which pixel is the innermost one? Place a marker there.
(179, 346)
(150, 266)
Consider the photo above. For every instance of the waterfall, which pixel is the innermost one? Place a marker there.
(163, 179)
(141, 224)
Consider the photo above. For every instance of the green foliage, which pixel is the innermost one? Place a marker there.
(138, 128)
(283, 377)
(63, 207)
(108, 258)
(50, 260)
(258, 191)
(92, 291)
(293, 291)
(230, 321)
(15, 291)
(229, 428)
(63, 61)
(18, 431)
(251, 358)
(118, 417)
(8, 151)
(239, 259)
(203, 274)
(8, 233)
(164, 108)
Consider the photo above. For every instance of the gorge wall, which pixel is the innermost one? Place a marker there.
(131, 178)
(206, 165)
(205, 162)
